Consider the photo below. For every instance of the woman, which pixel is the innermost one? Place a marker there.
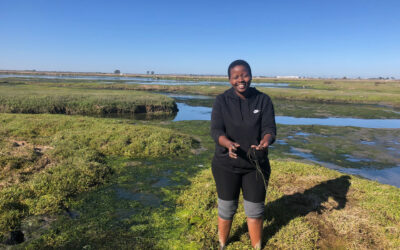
(242, 119)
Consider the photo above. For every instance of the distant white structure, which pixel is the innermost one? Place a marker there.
(288, 77)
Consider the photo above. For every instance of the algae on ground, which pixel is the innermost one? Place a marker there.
(348, 147)
(75, 159)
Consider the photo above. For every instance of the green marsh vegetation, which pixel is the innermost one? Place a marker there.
(142, 94)
(308, 207)
(389, 96)
(47, 160)
(163, 195)
(21, 98)
(321, 91)
(324, 110)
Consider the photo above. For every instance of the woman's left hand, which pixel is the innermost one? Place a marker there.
(264, 143)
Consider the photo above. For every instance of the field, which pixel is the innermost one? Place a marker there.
(78, 181)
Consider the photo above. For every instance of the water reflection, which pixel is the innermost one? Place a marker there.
(188, 113)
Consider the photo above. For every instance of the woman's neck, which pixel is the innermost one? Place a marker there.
(243, 95)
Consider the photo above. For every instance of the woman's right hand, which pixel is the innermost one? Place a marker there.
(230, 145)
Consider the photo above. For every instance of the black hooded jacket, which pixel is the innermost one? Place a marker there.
(244, 121)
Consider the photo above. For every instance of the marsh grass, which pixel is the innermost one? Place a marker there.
(46, 160)
(337, 91)
(131, 209)
(308, 207)
(43, 99)
(323, 110)
(361, 96)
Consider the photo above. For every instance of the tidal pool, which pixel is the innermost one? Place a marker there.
(389, 176)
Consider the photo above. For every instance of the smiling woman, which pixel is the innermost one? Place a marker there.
(240, 76)
(242, 120)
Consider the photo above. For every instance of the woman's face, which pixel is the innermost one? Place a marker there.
(240, 79)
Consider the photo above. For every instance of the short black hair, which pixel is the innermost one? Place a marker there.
(236, 63)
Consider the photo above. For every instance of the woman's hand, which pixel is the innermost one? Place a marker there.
(232, 149)
(264, 143)
(230, 145)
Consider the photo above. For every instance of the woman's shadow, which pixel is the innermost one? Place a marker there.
(281, 211)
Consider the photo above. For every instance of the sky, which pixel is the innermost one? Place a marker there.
(312, 38)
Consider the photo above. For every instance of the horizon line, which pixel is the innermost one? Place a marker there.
(149, 74)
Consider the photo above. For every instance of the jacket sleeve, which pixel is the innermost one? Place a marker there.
(217, 121)
(268, 125)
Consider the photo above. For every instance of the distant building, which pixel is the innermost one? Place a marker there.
(288, 77)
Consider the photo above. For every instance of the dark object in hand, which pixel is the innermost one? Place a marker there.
(258, 156)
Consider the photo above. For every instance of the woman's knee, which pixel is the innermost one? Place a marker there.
(254, 209)
(227, 209)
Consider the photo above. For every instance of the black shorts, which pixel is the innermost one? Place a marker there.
(251, 183)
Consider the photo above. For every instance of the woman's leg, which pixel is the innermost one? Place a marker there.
(228, 189)
(224, 227)
(255, 230)
(254, 204)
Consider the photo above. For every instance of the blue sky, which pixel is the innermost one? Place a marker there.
(287, 37)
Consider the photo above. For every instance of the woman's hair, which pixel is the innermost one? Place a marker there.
(236, 63)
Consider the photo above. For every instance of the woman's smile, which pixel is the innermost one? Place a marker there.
(242, 86)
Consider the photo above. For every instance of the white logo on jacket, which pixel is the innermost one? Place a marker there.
(256, 111)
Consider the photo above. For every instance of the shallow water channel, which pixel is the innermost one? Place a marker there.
(366, 147)
(187, 113)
